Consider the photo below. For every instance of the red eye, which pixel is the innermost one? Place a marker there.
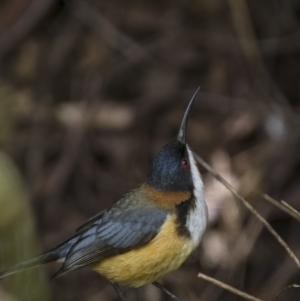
(184, 163)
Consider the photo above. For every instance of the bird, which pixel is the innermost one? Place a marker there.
(148, 232)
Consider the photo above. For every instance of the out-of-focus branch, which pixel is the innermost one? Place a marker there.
(114, 37)
(249, 207)
(250, 50)
(287, 287)
(228, 287)
(284, 207)
(24, 24)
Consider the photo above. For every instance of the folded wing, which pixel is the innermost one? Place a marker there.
(116, 231)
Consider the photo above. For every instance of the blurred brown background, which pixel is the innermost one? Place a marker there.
(91, 90)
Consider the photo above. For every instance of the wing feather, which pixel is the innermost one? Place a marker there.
(116, 231)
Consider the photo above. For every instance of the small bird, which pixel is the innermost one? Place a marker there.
(147, 233)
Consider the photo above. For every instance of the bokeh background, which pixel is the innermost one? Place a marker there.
(91, 90)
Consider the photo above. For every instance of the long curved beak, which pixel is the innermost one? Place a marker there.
(182, 130)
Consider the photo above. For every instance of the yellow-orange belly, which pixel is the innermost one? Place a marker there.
(166, 252)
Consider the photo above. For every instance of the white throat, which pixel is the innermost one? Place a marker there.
(197, 217)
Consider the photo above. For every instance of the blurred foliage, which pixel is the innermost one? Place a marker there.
(17, 234)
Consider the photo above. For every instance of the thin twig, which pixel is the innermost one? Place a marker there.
(228, 287)
(118, 290)
(283, 206)
(161, 287)
(249, 207)
(287, 287)
(292, 209)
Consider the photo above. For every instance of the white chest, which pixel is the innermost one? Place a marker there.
(197, 218)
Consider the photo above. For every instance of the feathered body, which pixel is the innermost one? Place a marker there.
(179, 235)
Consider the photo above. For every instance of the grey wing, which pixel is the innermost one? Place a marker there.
(114, 233)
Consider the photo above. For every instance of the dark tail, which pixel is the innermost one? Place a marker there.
(58, 253)
(31, 263)
(55, 254)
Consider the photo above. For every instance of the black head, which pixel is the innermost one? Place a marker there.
(171, 170)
